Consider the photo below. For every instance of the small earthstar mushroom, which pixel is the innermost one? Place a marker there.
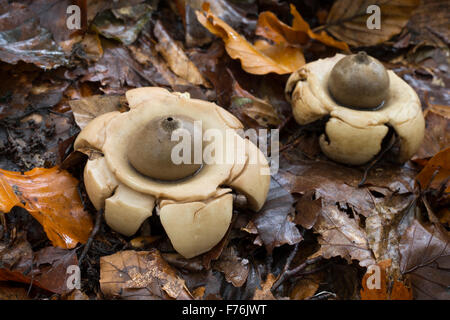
(363, 101)
(132, 170)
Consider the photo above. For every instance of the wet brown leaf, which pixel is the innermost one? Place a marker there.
(26, 33)
(274, 221)
(140, 275)
(395, 291)
(123, 24)
(46, 268)
(51, 197)
(347, 20)
(425, 251)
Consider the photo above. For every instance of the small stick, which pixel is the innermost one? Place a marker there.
(98, 220)
(286, 273)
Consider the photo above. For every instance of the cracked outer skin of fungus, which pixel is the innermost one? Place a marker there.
(355, 136)
(195, 211)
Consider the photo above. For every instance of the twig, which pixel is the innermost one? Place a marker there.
(286, 273)
(98, 220)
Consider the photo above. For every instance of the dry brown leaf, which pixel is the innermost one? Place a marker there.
(271, 28)
(347, 20)
(51, 197)
(140, 275)
(177, 60)
(398, 289)
(261, 58)
(265, 292)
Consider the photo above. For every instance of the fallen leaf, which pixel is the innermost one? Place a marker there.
(298, 34)
(177, 60)
(347, 20)
(265, 293)
(273, 221)
(425, 252)
(395, 291)
(426, 31)
(123, 24)
(46, 268)
(8, 292)
(306, 287)
(339, 235)
(25, 35)
(140, 275)
(255, 108)
(437, 133)
(233, 267)
(260, 58)
(84, 110)
(436, 172)
(51, 197)
(235, 16)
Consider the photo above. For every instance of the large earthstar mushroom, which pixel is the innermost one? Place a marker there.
(362, 100)
(135, 174)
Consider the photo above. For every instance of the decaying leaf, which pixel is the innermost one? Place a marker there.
(265, 293)
(51, 197)
(140, 275)
(273, 221)
(243, 102)
(380, 289)
(348, 20)
(260, 58)
(425, 251)
(84, 110)
(298, 34)
(235, 268)
(177, 60)
(123, 24)
(46, 268)
(437, 133)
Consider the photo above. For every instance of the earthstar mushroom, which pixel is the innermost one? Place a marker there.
(131, 174)
(363, 101)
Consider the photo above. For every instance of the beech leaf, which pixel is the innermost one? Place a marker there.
(51, 197)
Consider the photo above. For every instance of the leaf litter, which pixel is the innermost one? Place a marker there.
(318, 231)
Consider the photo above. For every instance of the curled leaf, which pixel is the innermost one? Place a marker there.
(51, 197)
(260, 58)
(299, 33)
